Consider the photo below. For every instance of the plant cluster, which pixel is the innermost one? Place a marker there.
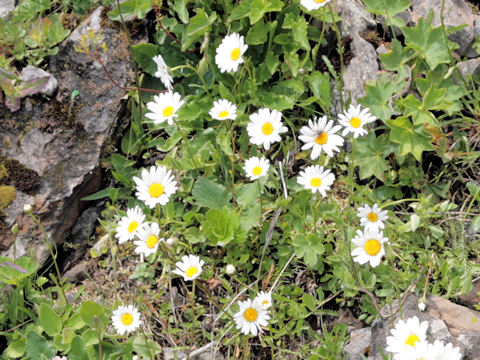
(237, 190)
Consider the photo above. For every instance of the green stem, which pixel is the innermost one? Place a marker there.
(114, 266)
(185, 140)
(152, 355)
(397, 202)
(340, 53)
(231, 135)
(261, 202)
(179, 67)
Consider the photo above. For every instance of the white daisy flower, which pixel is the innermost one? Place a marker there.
(250, 317)
(155, 186)
(129, 224)
(313, 4)
(369, 247)
(315, 178)
(148, 239)
(164, 107)
(223, 110)
(126, 319)
(59, 358)
(190, 267)
(372, 218)
(354, 119)
(439, 351)
(229, 52)
(406, 335)
(162, 72)
(264, 299)
(256, 167)
(265, 127)
(319, 135)
(421, 351)
(230, 269)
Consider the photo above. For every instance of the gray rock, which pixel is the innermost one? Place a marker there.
(31, 72)
(469, 67)
(457, 12)
(363, 67)
(77, 273)
(204, 353)
(359, 341)
(354, 17)
(63, 139)
(6, 7)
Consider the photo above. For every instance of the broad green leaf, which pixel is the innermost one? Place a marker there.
(77, 349)
(195, 107)
(209, 194)
(56, 33)
(410, 139)
(49, 319)
(309, 301)
(130, 144)
(319, 83)
(37, 346)
(219, 226)
(247, 194)
(298, 25)
(198, 26)
(92, 312)
(143, 55)
(16, 349)
(181, 9)
(194, 235)
(308, 247)
(370, 156)
(282, 96)
(386, 7)
(257, 34)
(254, 9)
(140, 8)
(397, 57)
(250, 216)
(428, 42)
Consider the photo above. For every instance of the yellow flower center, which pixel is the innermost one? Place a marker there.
(132, 227)
(235, 54)
(156, 190)
(372, 217)
(320, 1)
(316, 182)
(257, 170)
(127, 319)
(152, 240)
(322, 138)
(355, 122)
(372, 247)
(223, 114)
(250, 314)
(168, 111)
(265, 302)
(411, 340)
(191, 271)
(267, 128)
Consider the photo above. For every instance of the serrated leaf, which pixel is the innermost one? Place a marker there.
(428, 41)
(254, 9)
(319, 84)
(370, 156)
(397, 57)
(200, 23)
(181, 9)
(211, 195)
(298, 25)
(257, 34)
(49, 319)
(411, 140)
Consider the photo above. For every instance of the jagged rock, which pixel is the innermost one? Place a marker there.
(472, 299)
(62, 140)
(354, 17)
(469, 67)
(457, 12)
(6, 7)
(363, 67)
(77, 273)
(447, 322)
(31, 72)
(359, 342)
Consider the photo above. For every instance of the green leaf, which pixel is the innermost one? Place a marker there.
(131, 143)
(370, 156)
(397, 57)
(49, 319)
(143, 55)
(37, 346)
(140, 8)
(298, 25)
(98, 195)
(77, 349)
(309, 301)
(194, 235)
(254, 9)
(91, 313)
(219, 226)
(309, 248)
(211, 195)
(410, 139)
(319, 84)
(428, 42)
(385, 7)
(56, 33)
(198, 26)
(282, 96)
(16, 349)
(181, 9)
(258, 34)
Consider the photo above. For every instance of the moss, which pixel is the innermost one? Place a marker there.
(7, 195)
(19, 176)
(3, 172)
